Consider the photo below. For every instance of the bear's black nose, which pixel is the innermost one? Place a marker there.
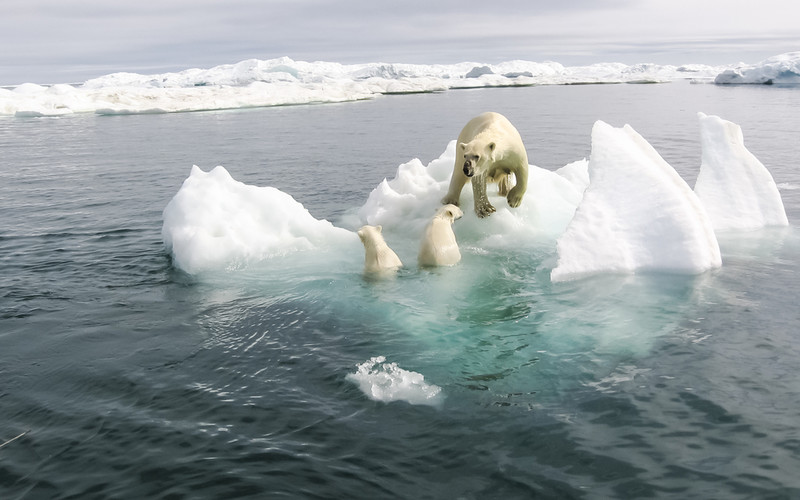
(468, 168)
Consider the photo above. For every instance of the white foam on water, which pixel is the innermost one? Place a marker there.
(387, 382)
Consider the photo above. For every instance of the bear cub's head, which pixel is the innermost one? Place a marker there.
(477, 156)
(370, 235)
(449, 213)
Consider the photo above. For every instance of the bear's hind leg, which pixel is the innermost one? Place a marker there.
(515, 195)
(503, 184)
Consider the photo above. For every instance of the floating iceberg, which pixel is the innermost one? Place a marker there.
(781, 69)
(217, 222)
(282, 81)
(636, 214)
(735, 187)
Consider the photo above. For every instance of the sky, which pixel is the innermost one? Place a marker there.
(70, 41)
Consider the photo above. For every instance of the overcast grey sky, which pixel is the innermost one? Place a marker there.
(48, 41)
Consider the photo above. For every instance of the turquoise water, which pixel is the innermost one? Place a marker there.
(136, 380)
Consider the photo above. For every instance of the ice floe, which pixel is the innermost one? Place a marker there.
(624, 210)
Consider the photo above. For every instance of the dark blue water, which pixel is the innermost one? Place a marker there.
(136, 380)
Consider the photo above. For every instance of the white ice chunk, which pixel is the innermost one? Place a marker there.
(387, 382)
(636, 214)
(736, 189)
(577, 173)
(216, 222)
(780, 69)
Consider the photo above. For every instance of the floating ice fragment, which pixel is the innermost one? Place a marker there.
(736, 189)
(386, 382)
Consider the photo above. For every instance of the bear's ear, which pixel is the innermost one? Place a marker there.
(379, 228)
(491, 146)
(462, 145)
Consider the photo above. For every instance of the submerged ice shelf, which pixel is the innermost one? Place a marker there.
(624, 210)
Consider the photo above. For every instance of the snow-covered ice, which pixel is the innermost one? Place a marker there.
(282, 81)
(735, 187)
(405, 204)
(637, 213)
(780, 69)
(217, 222)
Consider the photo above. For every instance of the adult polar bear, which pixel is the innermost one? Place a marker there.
(489, 149)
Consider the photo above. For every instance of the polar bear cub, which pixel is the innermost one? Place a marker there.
(439, 246)
(378, 256)
(490, 149)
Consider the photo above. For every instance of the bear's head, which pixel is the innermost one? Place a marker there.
(370, 234)
(449, 212)
(478, 155)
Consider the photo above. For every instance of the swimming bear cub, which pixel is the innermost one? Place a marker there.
(439, 246)
(378, 256)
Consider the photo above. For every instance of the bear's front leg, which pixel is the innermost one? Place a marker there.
(457, 182)
(482, 206)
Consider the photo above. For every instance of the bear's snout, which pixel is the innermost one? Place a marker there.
(469, 171)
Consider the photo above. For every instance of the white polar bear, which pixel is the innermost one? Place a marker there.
(378, 256)
(489, 150)
(439, 246)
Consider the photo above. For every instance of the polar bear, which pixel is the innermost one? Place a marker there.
(378, 256)
(489, 150)
(439, 246)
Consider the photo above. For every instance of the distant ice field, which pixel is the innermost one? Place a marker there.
(283, 81)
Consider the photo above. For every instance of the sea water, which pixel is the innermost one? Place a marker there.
(295, 376)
